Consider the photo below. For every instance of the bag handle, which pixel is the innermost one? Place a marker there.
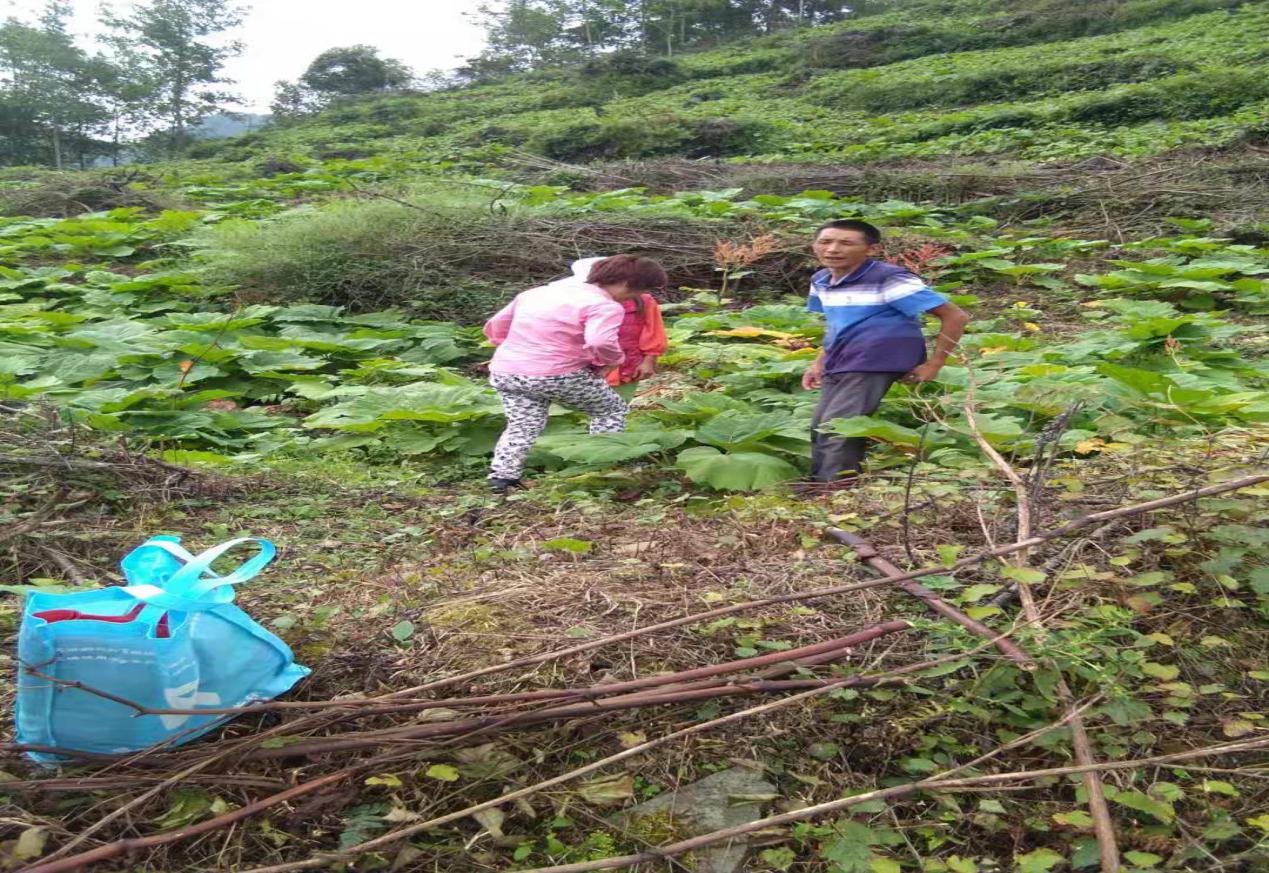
(188, 591)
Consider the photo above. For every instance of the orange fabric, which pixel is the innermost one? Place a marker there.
(652, 339)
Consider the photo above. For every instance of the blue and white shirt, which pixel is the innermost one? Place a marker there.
(873, 318)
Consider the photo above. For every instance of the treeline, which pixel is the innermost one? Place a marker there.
(157, 73)
(529, 34)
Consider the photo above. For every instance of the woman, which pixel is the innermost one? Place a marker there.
(643, 340)
(552, 344)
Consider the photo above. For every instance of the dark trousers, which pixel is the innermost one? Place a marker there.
(844, 395)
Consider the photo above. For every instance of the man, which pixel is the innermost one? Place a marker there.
(872, 339)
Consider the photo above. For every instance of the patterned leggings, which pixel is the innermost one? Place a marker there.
(526, 400)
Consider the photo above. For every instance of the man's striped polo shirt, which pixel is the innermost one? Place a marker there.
(873, 318)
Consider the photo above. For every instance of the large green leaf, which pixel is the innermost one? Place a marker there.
(1143, 381)
(702, 404)
(371, 408)
(734, 471)
(610, 448)
(733, 429)
(874, 428)
(270, 361)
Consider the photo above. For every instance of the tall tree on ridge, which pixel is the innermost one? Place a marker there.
(169, 39)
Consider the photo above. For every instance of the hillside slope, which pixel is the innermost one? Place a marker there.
(1040, 81)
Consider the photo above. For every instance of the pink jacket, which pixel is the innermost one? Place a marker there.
(554, 329)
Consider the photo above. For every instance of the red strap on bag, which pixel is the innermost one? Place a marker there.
(53, 616)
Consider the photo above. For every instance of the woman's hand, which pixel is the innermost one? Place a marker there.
(646, 369)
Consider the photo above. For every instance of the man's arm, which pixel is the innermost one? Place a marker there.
(952, 327)
(814, 376)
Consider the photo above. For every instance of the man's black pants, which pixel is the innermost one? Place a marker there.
(844, 395)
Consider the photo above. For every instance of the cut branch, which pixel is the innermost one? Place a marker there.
(933, 783)
(1098, 809)
(869, 555)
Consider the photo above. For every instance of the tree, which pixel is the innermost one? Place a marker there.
(358, 69)
(51, 89)
(125, 97)
(291, 101)
(167, 41)
(335, 74)
(530, 34)
(526, 34)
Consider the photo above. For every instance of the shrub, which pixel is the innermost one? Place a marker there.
(1005, 83)
(974, 122)
(63, 194)
(625, 138)
(452, 264)
(721, 137)
(362, 255)
(612, 138)
(277, 166)
(1046, 21)
(853, 49)
(1179, 98)
(628, 74)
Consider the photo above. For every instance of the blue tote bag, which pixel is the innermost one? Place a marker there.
(169, 639)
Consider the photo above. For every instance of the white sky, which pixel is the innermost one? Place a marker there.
(281, 37)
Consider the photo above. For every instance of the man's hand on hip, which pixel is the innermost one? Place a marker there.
(814, 376)
(926, 372)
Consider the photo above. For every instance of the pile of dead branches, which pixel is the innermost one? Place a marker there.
(65, 194)
(60, 487)
(1100, 196)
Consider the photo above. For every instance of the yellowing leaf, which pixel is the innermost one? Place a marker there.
(400, 815)
(185, 366)
(1155, 808)
(491, 820)
(1039, 861)
(1237, 727)
(610, 791)
(1084, 447)
(751, 332)
(387, 780)
(1076, 818)
(1216, 786)
(1031, 326)
(630, 739)
(978, 613)
(1026, 575)
(443, 772)
(1166, 672)
(978, 592)
(27, 847)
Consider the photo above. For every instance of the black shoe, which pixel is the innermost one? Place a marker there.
(502, 486)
